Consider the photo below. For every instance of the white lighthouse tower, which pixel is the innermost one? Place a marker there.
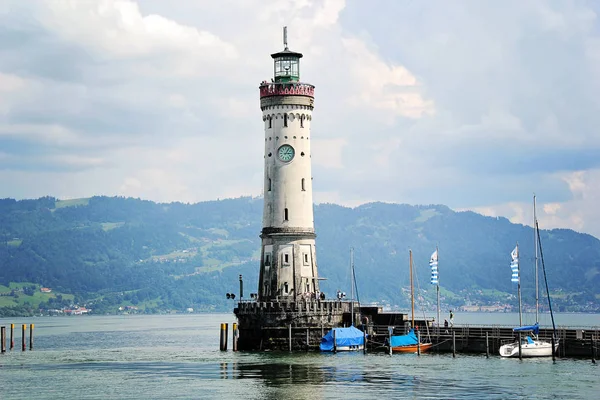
(288, 266)
(289, 312)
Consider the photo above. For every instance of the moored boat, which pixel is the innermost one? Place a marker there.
(530, 345)
(410, 342)
(343, 339)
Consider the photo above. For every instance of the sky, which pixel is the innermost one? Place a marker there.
(473, 104)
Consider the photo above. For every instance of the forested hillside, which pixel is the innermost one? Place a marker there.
(116, 252)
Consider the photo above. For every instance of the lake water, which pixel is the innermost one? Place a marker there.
(177, 357)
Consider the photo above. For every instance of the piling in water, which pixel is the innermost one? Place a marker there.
(234, 337)
(31, 337)
(3, 339)
(592, 348)
(12, 336)
(290, 336)
(520, 355)
(23, 329)
(453, 344)
(223, 341)
(334, 342)
(418, 343)
(487, 346)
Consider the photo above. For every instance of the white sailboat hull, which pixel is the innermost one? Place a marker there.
(539, 348)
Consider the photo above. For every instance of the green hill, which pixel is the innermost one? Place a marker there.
(110, 252)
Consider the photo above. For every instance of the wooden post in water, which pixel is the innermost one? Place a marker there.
(418, 343)
(234, 337)
(12, 336)
(487, 346)
(553, 352)
(592, 348)
(23, 330)
(290, 336)
(453, 343)
(223, 337)
(334, 341)
(3, 339)
(364, 341)
(520, 355)
(31, 337)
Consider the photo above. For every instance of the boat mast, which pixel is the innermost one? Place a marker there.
(519, 287)
(352, 284)
(412, 297)
(535, 244)
(438, 284)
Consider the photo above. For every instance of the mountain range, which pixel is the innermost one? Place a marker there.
(114, 252)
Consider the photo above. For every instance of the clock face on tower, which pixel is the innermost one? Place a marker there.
(286, 153)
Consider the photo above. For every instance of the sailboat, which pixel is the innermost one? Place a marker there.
(347, 338)
(531, 345)
(409, 343)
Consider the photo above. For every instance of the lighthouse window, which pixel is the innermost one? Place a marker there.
(285, 287)
(285, 118)
(302, 121)
(305, 259)
(285, 215)
(270, 122)
(267, 259)
(303, 189)
(269, 189)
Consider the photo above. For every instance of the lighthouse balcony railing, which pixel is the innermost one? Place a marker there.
(286, 89)
(252, 306)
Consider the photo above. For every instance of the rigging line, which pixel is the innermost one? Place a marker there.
(545, 279)
(355, 285)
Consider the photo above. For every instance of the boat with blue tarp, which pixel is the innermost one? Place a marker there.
(343, 339)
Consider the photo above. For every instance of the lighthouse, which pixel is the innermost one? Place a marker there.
(288, 266)
(289, 311)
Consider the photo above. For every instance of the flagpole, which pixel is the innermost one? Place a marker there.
(519, 286)
(352, 284)
(535, 244)
(438, 284)
(412, 295)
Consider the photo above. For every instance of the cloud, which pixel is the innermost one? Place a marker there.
(474, 105)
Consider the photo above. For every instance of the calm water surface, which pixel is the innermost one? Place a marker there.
(177, 357)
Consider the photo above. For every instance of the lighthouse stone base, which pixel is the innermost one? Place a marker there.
(269, 325)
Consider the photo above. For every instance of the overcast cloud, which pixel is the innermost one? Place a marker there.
(472, 104)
